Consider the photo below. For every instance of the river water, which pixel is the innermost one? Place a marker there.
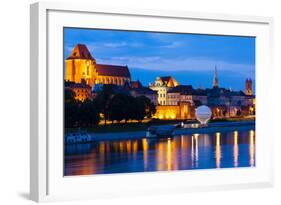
(197, 151)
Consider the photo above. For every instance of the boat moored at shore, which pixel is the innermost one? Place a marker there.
(160, 131)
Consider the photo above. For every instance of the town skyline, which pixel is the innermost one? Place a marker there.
(144, 101)
(109, 46)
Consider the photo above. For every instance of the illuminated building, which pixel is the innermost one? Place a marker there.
(82, 91)
(162, 85)
(171, 112)
(81, 66)
(172, 100)
(186, 93)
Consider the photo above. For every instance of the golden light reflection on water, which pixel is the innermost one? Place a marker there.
(218, 150)
(135, 149)
(196, 149)
(145, 152)
(252, 148)
(169, 155)
(182, 152)
(192, 151)
(235, 148)
(128, 147)
(160, 154)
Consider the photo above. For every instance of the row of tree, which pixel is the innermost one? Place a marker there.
(107, 105)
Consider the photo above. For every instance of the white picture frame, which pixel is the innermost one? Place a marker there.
(46, 177)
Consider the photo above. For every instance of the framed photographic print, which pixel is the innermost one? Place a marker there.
(148, 101)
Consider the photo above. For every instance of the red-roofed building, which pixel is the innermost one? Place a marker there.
(81, 66)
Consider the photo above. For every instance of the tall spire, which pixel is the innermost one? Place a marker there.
(216, 80)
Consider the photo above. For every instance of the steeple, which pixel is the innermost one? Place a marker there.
(216, 80)
(249, 87)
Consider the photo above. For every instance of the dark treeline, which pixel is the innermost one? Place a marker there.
(107, 105)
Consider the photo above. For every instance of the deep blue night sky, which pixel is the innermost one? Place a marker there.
(189, 58)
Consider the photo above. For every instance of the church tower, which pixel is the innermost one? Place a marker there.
(80, 66)
(249, 87)
(216, 80)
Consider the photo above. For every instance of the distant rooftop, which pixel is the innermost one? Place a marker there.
(113, 70)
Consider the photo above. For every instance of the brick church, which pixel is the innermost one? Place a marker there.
(81, 66)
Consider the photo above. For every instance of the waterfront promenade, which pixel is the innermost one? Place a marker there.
(212, 127)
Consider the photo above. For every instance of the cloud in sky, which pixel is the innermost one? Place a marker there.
(168, 52)
(158, 63)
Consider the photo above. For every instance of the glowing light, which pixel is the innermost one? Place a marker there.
(135, 149)
(184, 149)
(128, 147)
(252, 148)
(218, 136)
(196, 149)
(192, 150)
(160, 157)
(235, 149)
(218, 150)
(145, 152)
(169, 155)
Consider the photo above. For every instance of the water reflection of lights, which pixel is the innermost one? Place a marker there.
(102, 150)
(184, 150)
(252, 148)
(169, 155)
(160, 156)
(135, 149)
(179, 152)
(145, 152)
(128, 146)
(235, 148)
(218, 150)
(194, 150)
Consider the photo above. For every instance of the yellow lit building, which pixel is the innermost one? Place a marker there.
(172, 112)
(81, 91)
(162, 85)
(80, 67)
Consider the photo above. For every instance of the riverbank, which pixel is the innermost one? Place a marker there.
(212, 127)
(143, 126)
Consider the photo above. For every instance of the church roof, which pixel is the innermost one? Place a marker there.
(80, 51)
(113, 70)
(169, 81)
(166, 78)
